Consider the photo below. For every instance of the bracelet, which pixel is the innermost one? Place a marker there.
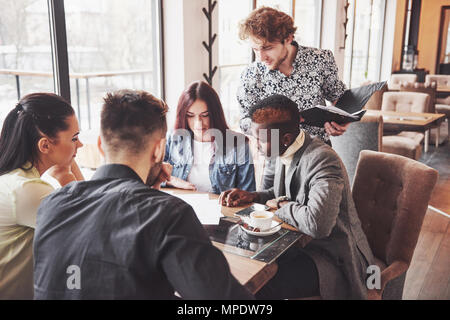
(281, 199)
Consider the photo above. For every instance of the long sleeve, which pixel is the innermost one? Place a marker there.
(317, 215)
(168, 146)
(246, 171)
(247, 95)
(332, 87)
(265, 195)
(195, 268)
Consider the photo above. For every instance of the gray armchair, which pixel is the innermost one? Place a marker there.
(391, 205)
(363, 135)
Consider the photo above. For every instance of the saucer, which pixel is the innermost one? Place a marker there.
(263, 234)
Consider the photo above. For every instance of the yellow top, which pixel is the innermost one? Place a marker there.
(20, 195)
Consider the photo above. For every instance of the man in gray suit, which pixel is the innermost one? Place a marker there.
(311, 192)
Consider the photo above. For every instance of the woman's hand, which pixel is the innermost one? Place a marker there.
(62, 174)
(235, 197)
(180, 184)
(76, 171)
(334, 129)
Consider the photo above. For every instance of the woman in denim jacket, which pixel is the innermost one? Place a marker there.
(205, 154)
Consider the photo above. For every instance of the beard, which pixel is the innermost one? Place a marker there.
(278, 62)
(153, 174)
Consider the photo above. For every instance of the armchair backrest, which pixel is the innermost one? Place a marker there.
(442, 80)
(399, 78)
(405, 102)
(366, 134)
(391, 195)
(429, 89)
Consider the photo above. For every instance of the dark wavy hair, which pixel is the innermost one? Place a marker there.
(203, 91)
(35, 115)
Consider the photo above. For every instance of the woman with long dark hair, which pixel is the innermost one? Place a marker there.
(205, 154)
(39, 134)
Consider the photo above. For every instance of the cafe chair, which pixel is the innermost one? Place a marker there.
(391, 205)
(442, 105)
(427, 88)
(445, 109)
(438, 133)
(442, 80)
(405, 143)
(366, 134)
(374, 103)
(405, 101)
(399, 78)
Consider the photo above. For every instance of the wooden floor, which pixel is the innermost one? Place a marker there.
(429, 274)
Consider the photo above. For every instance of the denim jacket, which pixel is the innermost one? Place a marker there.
(231, 169)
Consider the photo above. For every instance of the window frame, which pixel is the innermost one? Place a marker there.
(348, 68)
(58, 40)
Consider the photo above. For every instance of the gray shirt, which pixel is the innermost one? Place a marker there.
(321, 206)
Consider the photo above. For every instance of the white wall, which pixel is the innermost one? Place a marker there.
(173, 51)
(333, 32)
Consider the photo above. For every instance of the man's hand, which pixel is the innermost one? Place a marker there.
(164, 175)
(235, 197)
(272, 203)
(334, 129)
(180, 184)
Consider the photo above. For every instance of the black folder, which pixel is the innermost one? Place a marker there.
(347, 109)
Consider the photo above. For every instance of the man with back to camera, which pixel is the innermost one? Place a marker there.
(312, 193)
(308, 76)
(114, 237)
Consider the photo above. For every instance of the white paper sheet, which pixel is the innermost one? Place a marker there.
(207, 210)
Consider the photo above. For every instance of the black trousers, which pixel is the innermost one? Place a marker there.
(297, 277)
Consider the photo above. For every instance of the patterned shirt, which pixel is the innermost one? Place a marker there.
(314, 78)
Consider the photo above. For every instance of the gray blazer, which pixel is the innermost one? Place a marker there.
(322, 207)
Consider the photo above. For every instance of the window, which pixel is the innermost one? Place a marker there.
(234, 55)
(308, 20)
(364, 43)
(112, 44)
(25, 51)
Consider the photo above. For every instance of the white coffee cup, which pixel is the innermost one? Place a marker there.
(261, 219)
